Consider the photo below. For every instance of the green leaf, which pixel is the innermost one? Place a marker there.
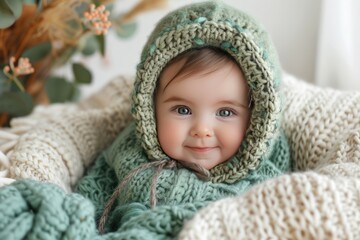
(110, 6)
(81, 8)
(65, 56)
(59, 89)
(4, 84)
(16, 103)
(30, 2)
(88, 45)
(96, 2)
(10, 10)
(37, 52)
(76, 94)
(81, 73)
(124, 30)
(101, 43)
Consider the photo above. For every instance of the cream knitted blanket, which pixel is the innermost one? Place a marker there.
(322, 201)
(57, 143)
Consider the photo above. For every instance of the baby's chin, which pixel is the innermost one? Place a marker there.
(204, 163)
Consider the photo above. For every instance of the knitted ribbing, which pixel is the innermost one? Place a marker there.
(298, 206)
(344, 158)
(317, 120)
(218, 25)
(135, 220)
(30, 210)
(65, 139)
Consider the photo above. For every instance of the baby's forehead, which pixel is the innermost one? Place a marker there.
(170, 71)
(174, 72)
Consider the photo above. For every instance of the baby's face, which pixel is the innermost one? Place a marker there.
(202, 118)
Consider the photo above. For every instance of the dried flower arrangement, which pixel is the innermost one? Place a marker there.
(37, 36)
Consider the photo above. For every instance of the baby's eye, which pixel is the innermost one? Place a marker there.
(183, 110)
(225, 113)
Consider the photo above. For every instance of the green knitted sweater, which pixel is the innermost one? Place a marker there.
(43, 211)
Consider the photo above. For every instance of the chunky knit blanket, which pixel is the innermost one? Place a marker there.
(321, 201)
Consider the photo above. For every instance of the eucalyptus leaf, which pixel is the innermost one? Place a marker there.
(30, 2)
(101, 43)
(37, 52)
(4, 84)
(110, 6)
(13, 87)
(65, 56)
(59, 89)
(16, 103)
(2, 74)
(88, 45)
(74, 26)
(81, 8)
(76, 95)
(97, 2)
(81, 73)
(10, 10)
(3, 80)
(124, 30)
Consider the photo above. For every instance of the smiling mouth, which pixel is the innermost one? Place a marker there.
(201, 149)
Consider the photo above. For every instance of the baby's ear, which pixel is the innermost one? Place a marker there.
(315, 118)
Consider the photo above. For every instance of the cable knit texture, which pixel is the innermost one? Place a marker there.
(33, 211)
(317, 121)
(297, 206)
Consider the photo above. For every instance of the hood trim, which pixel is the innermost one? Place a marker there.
(258, 61)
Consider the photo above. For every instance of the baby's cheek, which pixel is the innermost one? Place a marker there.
(232, 138)
(171, 137)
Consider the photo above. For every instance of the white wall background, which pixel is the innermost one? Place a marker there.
(338, 50)
(293, 25)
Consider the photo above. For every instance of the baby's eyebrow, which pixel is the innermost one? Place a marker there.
(176, 99)
(235, 103)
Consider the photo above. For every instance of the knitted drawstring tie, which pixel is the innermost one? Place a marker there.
(200, 172)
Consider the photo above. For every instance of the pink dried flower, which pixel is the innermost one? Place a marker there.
(24, 67)
(97, 19)
(12, 71)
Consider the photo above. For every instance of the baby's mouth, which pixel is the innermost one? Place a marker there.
(201, 149)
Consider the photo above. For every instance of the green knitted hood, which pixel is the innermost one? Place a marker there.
(218, 25)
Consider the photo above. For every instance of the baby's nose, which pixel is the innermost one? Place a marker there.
(201, 130)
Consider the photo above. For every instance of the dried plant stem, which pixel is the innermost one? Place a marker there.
(142, 6)
(2, 45)
(25, 40)
(4, 119)
(17, 82)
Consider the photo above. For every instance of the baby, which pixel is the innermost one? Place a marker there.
(202, 107)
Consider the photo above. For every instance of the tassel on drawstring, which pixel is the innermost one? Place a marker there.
(201, 172)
